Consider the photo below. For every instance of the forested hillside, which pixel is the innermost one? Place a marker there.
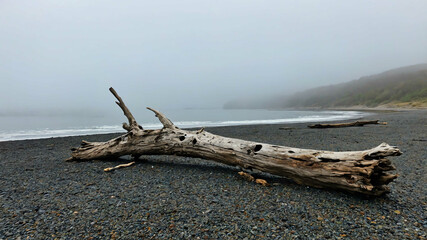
(400, 87)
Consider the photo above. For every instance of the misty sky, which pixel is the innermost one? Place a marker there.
(175, 54)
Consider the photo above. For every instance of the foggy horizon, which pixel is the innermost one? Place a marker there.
(61, 57)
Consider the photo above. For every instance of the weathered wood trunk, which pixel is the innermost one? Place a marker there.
(358, 171)
(350, 124)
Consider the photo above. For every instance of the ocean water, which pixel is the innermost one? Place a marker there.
(35, 127)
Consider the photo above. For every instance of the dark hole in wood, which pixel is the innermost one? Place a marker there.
(257, 147)
(249, 151)
(182, 138)
(194, 141)
(291, 152)
(328, 160)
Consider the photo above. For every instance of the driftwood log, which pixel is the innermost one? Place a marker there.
(362, 172)
(350, 124)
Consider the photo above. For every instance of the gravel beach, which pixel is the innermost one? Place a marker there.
(169, 197)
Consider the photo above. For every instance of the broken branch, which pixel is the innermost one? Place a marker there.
(118, 166)
(132, 122)
(163, 119)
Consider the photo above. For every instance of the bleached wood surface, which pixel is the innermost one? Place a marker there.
(362, 172)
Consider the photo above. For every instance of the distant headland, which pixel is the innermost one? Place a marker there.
(404, 87)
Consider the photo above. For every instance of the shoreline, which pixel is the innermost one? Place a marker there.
(355, 108)
(230, 123)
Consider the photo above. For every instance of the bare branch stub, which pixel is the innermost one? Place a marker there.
(163, 119)
(132, 122)
(126, 127)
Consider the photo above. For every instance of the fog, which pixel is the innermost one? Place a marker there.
(60, 57)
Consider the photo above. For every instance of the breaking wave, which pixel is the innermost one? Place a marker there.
(7, 135)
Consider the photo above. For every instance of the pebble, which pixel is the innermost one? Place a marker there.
(205, 200)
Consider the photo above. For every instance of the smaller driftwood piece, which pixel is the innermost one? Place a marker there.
(364, 172)
(350, 124)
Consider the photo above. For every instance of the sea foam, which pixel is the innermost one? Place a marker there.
(8, 135)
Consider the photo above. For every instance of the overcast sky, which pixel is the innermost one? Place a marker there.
(199, 53)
